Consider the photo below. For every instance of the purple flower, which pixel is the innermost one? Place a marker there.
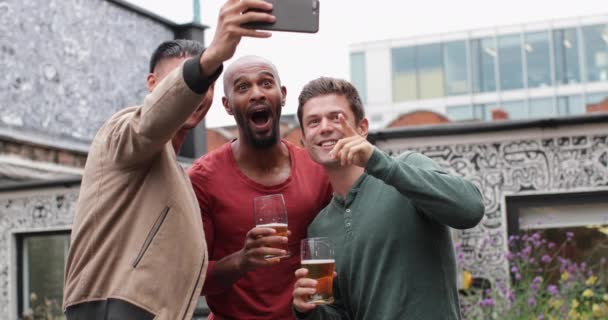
(540, 317)
(514, 269)
(487, 303)
(532, 301)
(532, 260)
(569, 235)
(545, 259)
(551, 245)
(511, 295)
(603, 261)
(509, 256)
(552, 289)
(517, 276)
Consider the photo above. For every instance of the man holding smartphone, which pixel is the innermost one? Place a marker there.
(136, 204)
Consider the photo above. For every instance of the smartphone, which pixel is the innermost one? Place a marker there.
(291, 16)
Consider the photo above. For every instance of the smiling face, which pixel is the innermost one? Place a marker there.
(254, 96)
(321, 127)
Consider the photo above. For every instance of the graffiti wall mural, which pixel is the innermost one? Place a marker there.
(561, 163)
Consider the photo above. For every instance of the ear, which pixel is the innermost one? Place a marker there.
(283, 95)
(363, 127)
(151, 81)
(227, 106)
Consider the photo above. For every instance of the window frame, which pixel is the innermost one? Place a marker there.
(19, 238)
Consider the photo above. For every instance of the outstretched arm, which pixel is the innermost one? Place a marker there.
(445, 198)
(137, 137)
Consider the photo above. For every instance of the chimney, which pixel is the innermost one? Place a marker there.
(598, 107)
(499, 114)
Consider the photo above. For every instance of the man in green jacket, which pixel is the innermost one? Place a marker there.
(389, 218)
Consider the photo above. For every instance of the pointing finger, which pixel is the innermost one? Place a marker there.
(347, 129)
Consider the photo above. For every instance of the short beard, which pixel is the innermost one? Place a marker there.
(258, 143)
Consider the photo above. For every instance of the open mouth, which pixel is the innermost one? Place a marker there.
(261, 118)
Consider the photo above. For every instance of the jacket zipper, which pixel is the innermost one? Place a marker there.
(151, 234)
(198, 279)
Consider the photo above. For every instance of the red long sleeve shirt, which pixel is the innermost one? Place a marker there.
(225, 196)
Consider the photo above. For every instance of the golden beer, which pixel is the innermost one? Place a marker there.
(321, 270)
(281, 229)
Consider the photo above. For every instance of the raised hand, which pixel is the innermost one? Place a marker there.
(229, 31)
(259, 243)
(352, 148)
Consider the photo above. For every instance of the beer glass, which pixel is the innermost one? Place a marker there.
(270, 212)
(318, 257)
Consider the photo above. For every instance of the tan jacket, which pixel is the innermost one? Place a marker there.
(137, 234)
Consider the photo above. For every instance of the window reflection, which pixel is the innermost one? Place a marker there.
(536, 47)
(430, 71)
(565, 43)
(596, 47)
(515, 109)
(541, 108)
(510, 62)
(456, 67)
(405, 85)
(570, 105)
(43, 259)
(357, 73)
(460, 113)
(483, 54)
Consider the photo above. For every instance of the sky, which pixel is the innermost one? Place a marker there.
(303, 57)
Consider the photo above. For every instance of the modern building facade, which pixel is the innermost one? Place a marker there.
(538, 70)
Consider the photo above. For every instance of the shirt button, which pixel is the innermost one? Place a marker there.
(347, 210)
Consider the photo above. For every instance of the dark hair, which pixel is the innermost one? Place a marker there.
(178, 48)
(326, 85)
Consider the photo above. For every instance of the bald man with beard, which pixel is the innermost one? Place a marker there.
(241, 284)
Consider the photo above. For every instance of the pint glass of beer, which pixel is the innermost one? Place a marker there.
(318, 257)
(270, 212)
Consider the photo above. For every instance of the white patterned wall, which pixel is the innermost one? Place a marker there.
(28, 211)
(67, 65)
(508, 163)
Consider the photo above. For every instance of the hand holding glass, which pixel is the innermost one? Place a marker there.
(318, 258)
(270, 212)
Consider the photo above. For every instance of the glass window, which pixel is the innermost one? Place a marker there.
(456, 67)
(578, 217)
(481, 112)
(357, 73)
(537, 59)
(483, 55)
(570, 105)
(460, 113)
(565, 44)
(595, 98)
(405, 84)
(43, 258)
(510, 62)
(430, 71)
(596, 48)
(515, 109)
(542, 108)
